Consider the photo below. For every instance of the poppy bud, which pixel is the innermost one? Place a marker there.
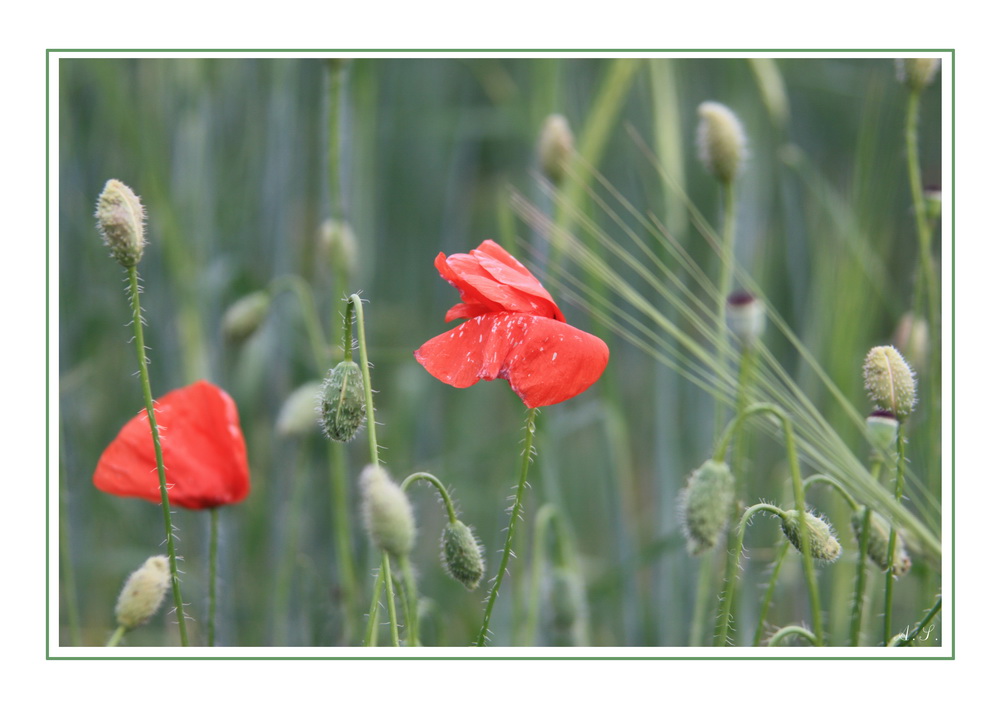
(746, 317)
(121, 222)
(461, 554)
(705, 505)
(883, 427)
(878, 542)
(245, 316)
(342, 402)
(917, 74)
(555, 147)
(387, 513)
(721, 141)
(822, 544)
(143, 592)
(337, 240)
(297, 416)
(890, 381)
(568, 607)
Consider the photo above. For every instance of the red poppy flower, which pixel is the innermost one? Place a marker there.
(204, 453)
(515, 331)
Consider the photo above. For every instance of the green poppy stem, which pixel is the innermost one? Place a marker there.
(140, 350)
(515, 513)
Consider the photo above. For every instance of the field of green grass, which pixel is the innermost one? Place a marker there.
(241, 165)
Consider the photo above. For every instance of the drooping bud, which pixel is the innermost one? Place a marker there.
(121, 222)
(883, 427)
(387, 513)
(462, 554)
(705, 503)
(917, 74)
(567, 606)
(878, 542)
(721, 141)
(823, 545)
(889, 381)
(342, 401)
(746, 317)
(143, 592)
(245, 316)
(297, 415)
(555, 147)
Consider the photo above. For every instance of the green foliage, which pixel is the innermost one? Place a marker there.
(437, 154)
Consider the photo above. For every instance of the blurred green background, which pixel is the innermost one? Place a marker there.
(230, 157)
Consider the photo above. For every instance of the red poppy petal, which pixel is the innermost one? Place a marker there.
(506, 270)
(203, 452)
(544, 360)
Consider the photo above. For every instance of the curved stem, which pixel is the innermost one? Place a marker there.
(515, 513)
(836, 485)
(140, 350)
(310, 316)
(793, 630)
(442, 491)
(732, 566)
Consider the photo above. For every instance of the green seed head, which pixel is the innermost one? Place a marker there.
(143, 592)
(555, 147)
(705, 505)
(878, 542)
(342, 402)
(889, 381)
(822, 544)
(462, 555)
(121, 222)
(245, 316)
(722, 144)
(386, 511)
(917, 74)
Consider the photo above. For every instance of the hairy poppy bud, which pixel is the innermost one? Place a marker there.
(889, 381)
(121, 222)
(917, 74)
(143, 592)
(297, 415)
(705, 505)
(878, 542)
(555, 146)
(461, 554)
(387, 513)
(245, 316)
(822, 544)
(746, 317)
(721, 141)
(342, 401)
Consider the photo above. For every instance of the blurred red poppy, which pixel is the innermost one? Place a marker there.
(515, 332)
(204, 452)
